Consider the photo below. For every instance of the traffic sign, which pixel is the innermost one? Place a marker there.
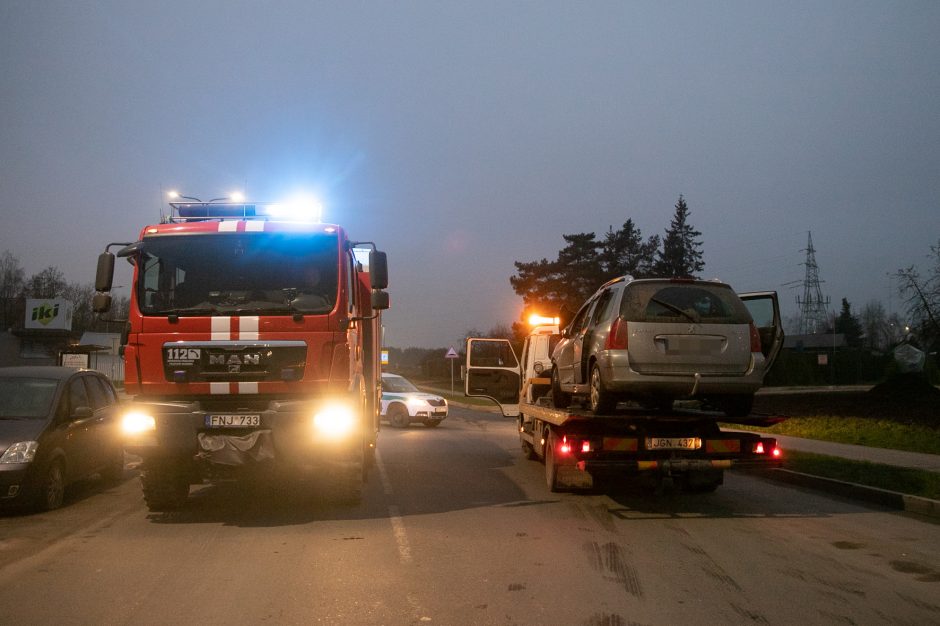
(451, 354)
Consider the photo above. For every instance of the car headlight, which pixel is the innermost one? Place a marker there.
(417, 402)
(20, 452)
(334, 420)
(137, 423)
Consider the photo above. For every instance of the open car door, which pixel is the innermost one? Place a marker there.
(765, 310)
(493, 372)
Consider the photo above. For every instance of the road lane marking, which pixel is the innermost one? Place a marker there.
(394, 515)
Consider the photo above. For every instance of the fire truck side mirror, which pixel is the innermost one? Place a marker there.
(101, 303)
(378, 270)
(379, 300)
(105, 275)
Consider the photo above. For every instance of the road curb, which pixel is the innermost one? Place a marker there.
(874, 495)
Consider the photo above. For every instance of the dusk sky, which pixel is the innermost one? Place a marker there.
(464, 136)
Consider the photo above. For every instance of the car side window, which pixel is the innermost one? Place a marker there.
(96, 391)
(77, 395)
(602, 307)
(575, 326)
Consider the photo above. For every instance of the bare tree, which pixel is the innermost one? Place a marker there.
(12, 278)
(922, 296)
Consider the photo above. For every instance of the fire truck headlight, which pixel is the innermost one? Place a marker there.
(334, 421)
(137, 423)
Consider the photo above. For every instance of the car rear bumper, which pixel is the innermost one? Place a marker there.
(620, 377)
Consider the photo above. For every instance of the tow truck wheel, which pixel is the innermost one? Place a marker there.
(602, 401)
(398, 416)
(551, 469)
(560, 399)
(165, 486)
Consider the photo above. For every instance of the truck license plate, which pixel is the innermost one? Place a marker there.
(673, 443)
(233, 421)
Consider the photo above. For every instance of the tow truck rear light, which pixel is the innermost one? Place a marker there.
(755, 339)
(617, 338)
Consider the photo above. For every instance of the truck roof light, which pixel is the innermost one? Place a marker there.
(303, 210)
(540, 320)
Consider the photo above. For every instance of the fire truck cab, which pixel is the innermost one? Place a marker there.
(252, 343)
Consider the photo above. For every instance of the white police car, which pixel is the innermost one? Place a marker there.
(403, 403)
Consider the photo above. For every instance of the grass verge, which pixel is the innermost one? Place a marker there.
(909, 481)
(859, 431)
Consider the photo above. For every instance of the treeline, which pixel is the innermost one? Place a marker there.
(560, 286)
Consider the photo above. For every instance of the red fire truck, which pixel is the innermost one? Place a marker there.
(252, 345)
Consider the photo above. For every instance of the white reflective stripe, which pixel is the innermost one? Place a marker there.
(228, 227)
(254, 227)
(248, 327)
(247, 387)
(221, 328)
(218, 388)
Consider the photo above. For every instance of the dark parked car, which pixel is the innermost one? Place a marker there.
(57, 425)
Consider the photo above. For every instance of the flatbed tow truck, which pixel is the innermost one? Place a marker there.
(581, 448)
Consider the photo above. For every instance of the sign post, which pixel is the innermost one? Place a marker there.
(452, 355)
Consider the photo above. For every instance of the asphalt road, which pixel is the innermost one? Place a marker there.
(456, 527)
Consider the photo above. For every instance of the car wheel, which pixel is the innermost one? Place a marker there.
(165, 486)
(432, 423)
(737, 406)
(398, 416)
(51, 491)
(602, 401)
(560, 399)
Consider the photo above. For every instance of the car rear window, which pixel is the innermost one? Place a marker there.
(683, 302)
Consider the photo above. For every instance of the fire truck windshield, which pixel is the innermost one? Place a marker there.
(238, 274)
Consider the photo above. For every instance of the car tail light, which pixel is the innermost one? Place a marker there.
(759, 447)
(755, 339)
(586, 445)
(617, 338)
(565, 447)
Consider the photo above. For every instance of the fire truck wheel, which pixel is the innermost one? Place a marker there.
(165, 486)
(346, 486)
(551, 469)
(560, 399)
(398, 416)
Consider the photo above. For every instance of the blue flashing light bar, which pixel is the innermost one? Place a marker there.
(305, 211)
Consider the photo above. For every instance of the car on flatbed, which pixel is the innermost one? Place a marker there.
(658, 340)
(403, 403)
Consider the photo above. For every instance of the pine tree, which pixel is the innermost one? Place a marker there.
(848, 325)
(681, 254)
(624, 252)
